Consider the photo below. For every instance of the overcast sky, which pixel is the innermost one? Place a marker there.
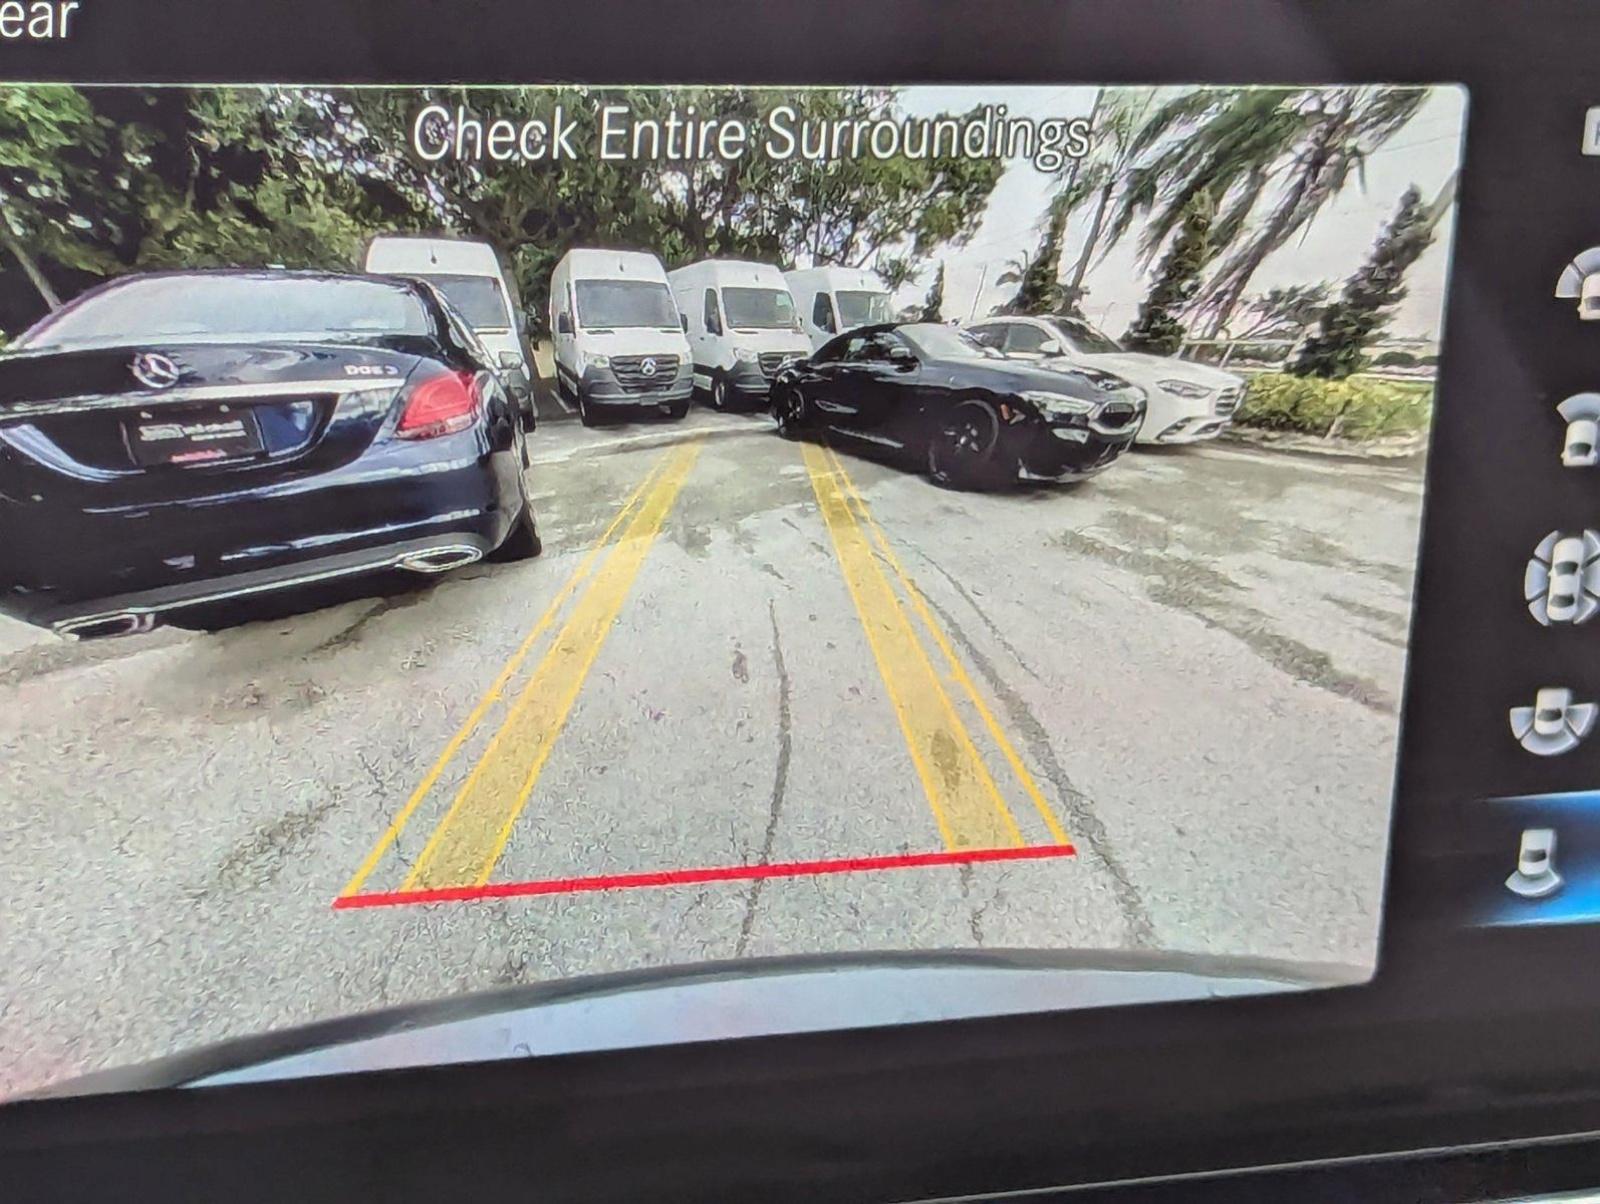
(1424, 153)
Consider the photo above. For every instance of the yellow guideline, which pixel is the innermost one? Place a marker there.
(469, 840)
(966, 804)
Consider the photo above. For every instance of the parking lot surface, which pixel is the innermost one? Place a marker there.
(756, 698)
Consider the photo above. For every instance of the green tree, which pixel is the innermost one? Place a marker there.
(1335, 349)
(933, 304)
(1284, 312)
(850, 211)
(1037, 276)
(1286, 152)
(1159, 328)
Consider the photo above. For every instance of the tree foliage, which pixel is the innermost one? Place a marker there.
(1367, 302)
(1273, 158)
(1159, 328)
(96, 182)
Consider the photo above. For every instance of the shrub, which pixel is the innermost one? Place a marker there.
(1396, 359)
(1358, 407)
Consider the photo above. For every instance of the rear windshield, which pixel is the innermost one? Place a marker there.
(208, 307)
(479, 299)
(616, 303)
(758, 308)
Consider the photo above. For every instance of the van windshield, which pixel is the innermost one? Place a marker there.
(618, 303)
(479, 299)
(861, 308)
(758, 308)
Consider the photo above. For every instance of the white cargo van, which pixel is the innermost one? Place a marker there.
(619, 339)
(742, 327)
(471, 276)
(834, 300)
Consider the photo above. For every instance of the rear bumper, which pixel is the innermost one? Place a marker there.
(71, 561)
(434, 554)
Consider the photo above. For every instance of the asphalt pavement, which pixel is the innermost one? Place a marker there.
(757, 698)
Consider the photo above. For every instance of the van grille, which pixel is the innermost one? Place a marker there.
(632, 375)
(772, 362)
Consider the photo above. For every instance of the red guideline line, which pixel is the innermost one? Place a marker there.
(716, 873)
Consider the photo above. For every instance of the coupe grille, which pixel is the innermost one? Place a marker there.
(644, 373)
(1116, 415)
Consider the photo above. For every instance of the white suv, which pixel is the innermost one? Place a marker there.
(1185, 402)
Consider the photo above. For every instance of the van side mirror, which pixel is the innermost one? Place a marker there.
(563, 323)
(683, 322)
(714, 323)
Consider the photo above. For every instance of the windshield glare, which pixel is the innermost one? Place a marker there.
(861, 308)
(625, 303)
(944, 342)
(247, 306)
(478, 298)
(1082, 337)
(759, 308)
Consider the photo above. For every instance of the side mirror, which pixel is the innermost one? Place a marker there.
(683, 322)
(902, 358)
(1051, 347)
(713, 323)
(510, 359)
(563, 323)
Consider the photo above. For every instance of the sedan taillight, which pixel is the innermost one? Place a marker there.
(440, 405)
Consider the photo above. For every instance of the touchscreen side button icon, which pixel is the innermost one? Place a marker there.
(1535, 876)
(1554, 724)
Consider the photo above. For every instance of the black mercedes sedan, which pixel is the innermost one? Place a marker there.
(174, 443)
(970, 417)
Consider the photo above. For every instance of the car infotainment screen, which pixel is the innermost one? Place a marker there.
(957, 542)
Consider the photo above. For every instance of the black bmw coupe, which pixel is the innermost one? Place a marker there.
(967, 416)
(173, 443)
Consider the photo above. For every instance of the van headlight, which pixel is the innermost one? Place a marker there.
(1058, 405)
(1184, 388)
(599, 361)
(744, 355)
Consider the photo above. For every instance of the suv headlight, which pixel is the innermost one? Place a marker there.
(744, 355)
(1184, 388)
(1058, 404)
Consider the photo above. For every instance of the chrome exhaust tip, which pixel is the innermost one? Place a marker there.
(440, 560)
(103, 627)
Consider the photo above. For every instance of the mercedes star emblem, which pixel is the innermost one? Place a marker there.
(648, 368)
(154, 370)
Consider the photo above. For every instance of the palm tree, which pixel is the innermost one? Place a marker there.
(1292, 149)
(1117, 118)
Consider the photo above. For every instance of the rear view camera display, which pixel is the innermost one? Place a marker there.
(455, 538)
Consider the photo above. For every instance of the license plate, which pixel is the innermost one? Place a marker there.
(193, 438)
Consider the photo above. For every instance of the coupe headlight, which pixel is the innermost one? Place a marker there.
(1184, 388)
(1058, 404)
(600, 361)
(744, 355)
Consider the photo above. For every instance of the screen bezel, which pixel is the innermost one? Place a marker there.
(1448, 1038)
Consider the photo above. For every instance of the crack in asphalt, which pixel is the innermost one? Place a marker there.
(780, 781)
(1202, 592)
(1083, 824)
(994, 628)
(260, 859)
